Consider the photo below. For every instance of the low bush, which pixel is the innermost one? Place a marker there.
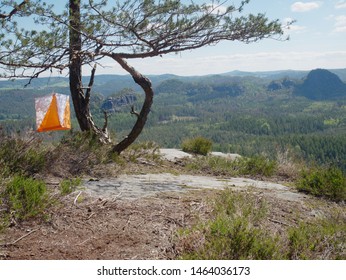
(81, 140)
(78, 153)
(198, 145)
(323, 182)
(19, 156)
(257, 166)
(25, 197)
(236, 229)
(148, 150)
(232, 232)
(324, 239)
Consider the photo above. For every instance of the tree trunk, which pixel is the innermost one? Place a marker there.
(145, 84)
(79, 98)
(75, 67)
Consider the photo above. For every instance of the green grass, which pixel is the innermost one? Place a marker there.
(255, 166)
(67, 186)
(213, 165)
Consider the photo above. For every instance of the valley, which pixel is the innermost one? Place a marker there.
(269, 113)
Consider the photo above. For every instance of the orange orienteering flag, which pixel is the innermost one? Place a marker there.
(53, 112)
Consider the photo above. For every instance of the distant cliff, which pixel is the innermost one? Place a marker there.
(281, 84)
(321, 84)
(114, 104)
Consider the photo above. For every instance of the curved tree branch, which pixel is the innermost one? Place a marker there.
(145, 84)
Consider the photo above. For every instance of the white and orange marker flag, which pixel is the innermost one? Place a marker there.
(53, 112)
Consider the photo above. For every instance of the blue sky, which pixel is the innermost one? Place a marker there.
(317, 40)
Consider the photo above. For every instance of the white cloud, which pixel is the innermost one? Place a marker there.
(340, 5)
(340, 24)
(305, 6)
(186, 65)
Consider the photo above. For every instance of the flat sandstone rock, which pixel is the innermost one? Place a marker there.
(173, 154)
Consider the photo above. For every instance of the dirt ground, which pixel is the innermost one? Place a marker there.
(82, 225)
(103, 229)
(95, 228)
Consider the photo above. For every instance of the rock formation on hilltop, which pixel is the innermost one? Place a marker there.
(285, 83)
(321, 84)
(114, 104)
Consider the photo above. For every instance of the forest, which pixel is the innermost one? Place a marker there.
(266, 114)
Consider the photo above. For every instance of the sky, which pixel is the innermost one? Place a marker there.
(317, 40)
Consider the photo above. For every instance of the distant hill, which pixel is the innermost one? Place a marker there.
(110, 84)
(282, 74)
(271, 75)
(321, 84)
(16, 101)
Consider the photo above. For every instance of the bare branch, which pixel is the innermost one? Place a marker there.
(20, 238)
(91, 82)
(133, 112)
(104, 129)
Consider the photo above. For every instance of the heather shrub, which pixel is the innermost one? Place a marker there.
(198, 145)
(323, 182)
